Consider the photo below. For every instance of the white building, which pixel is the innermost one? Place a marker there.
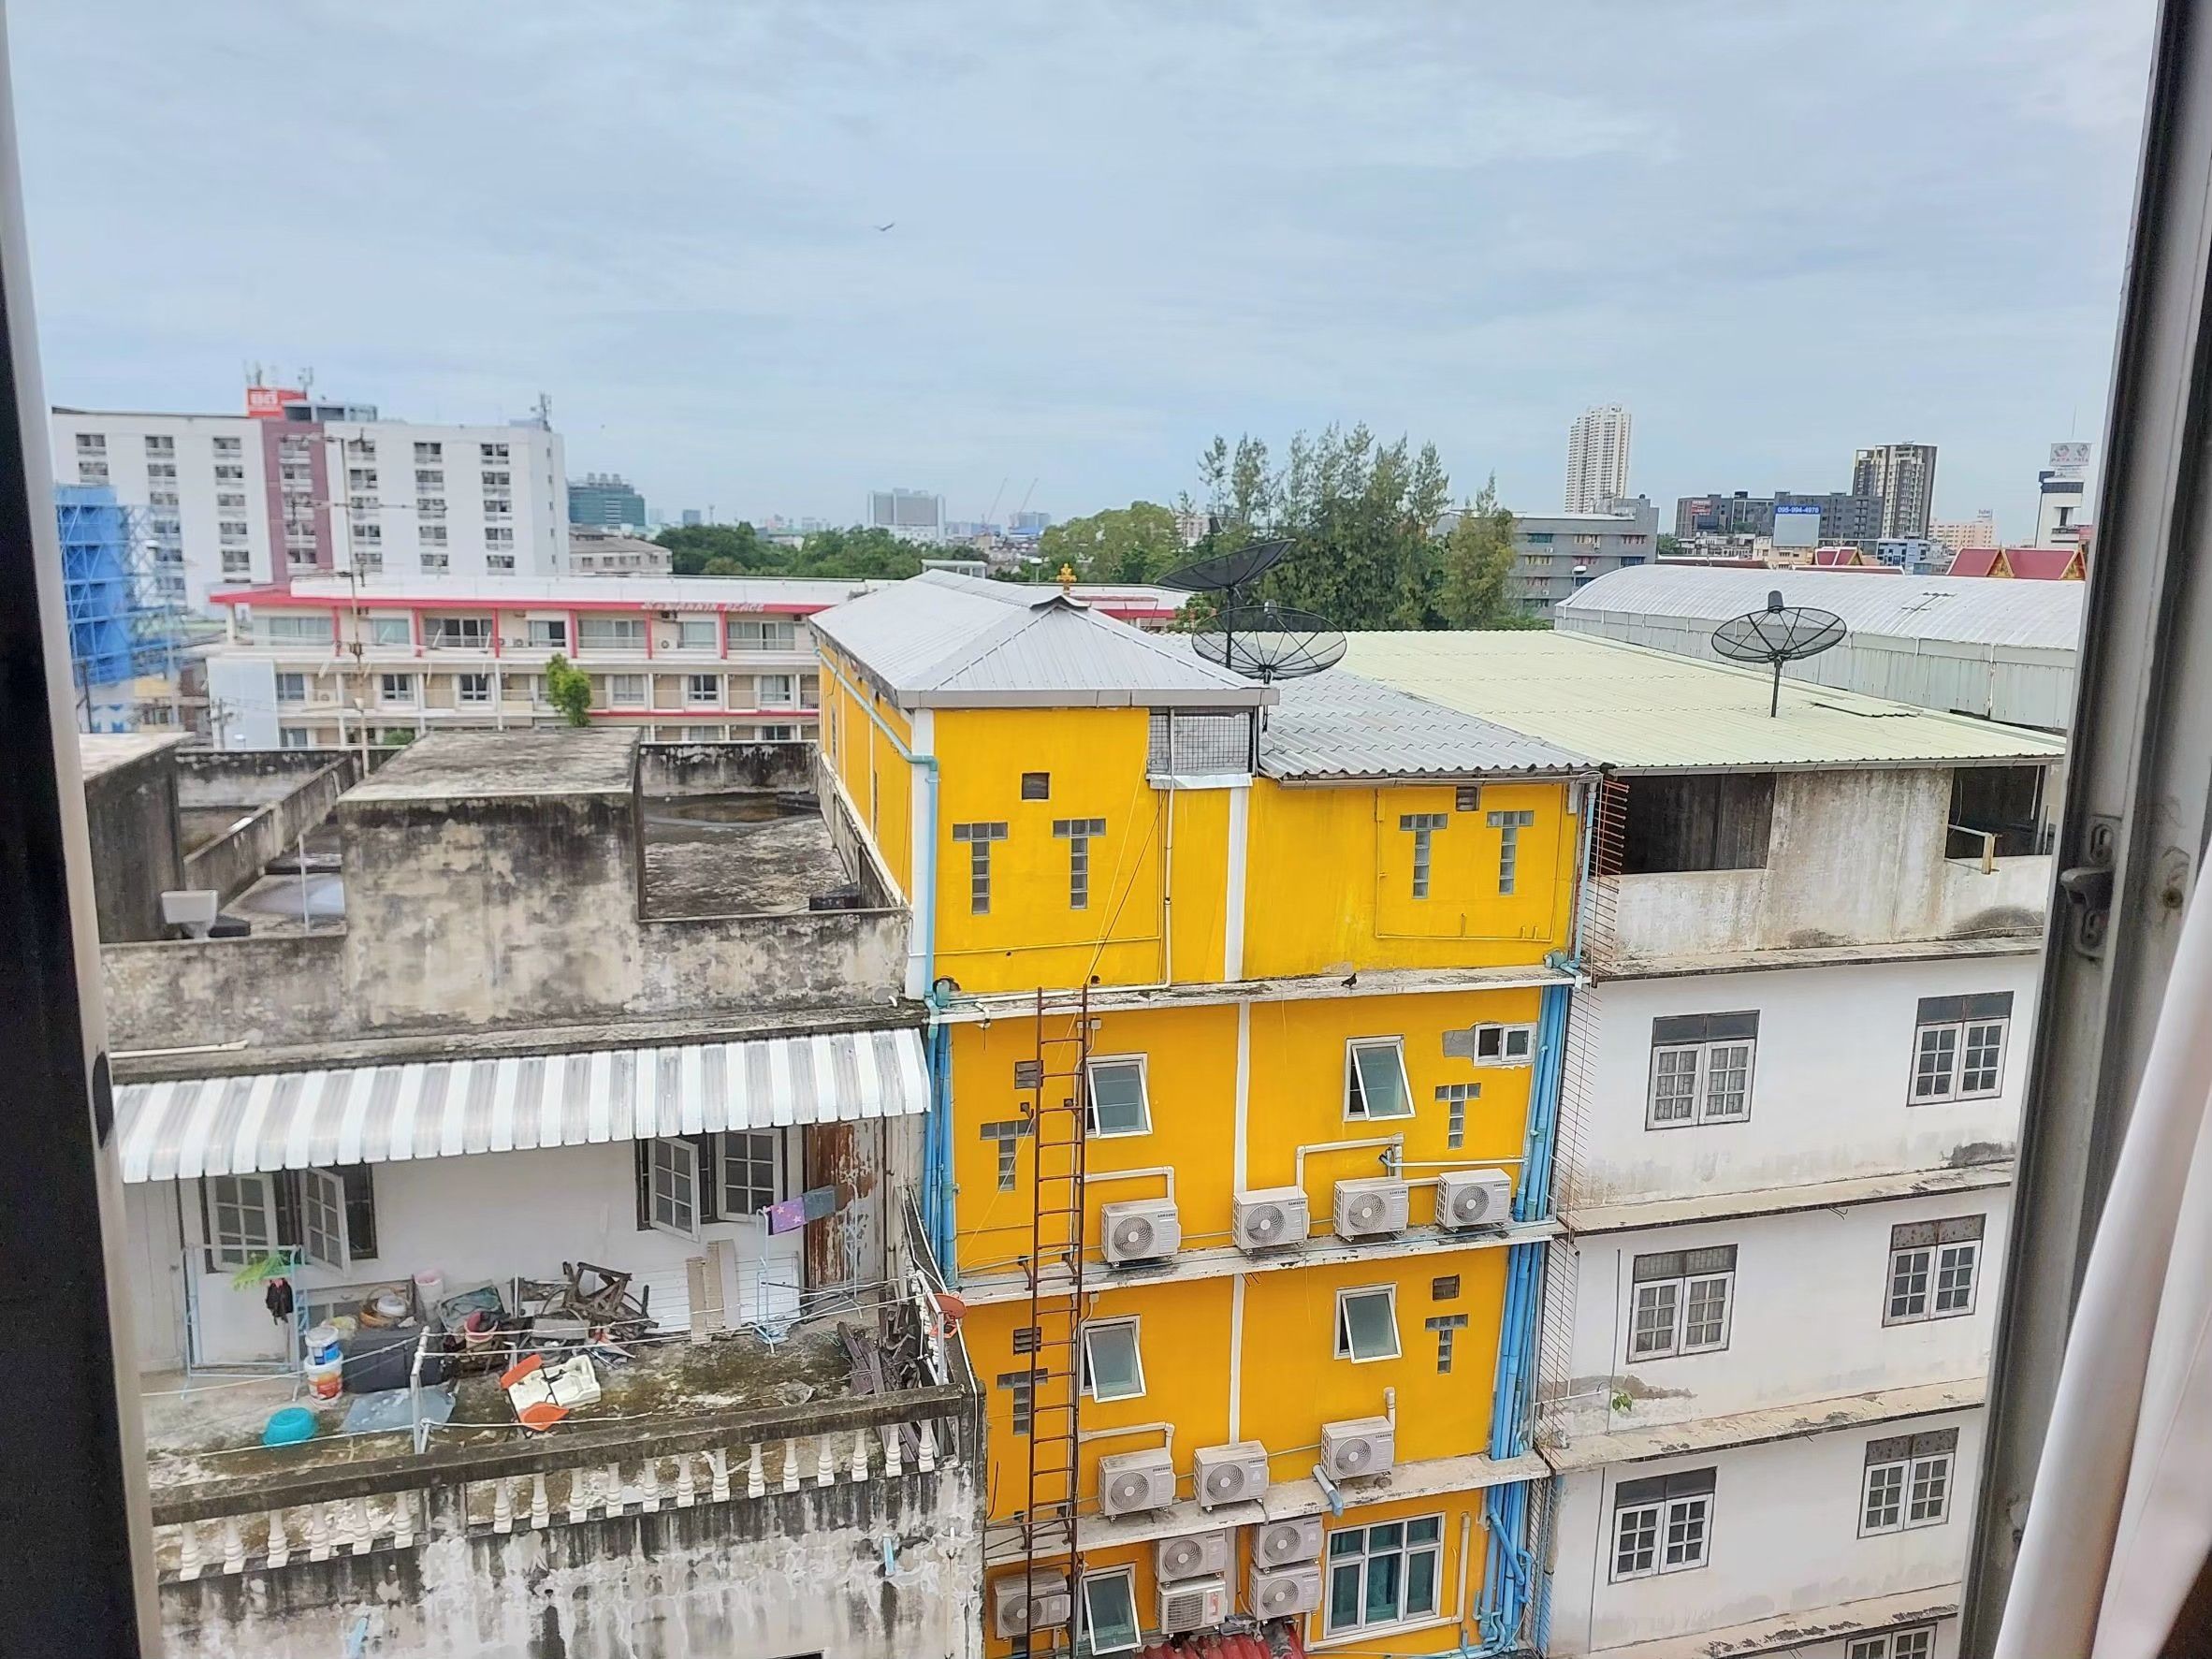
(910, 514)
(1784, 1158)
(244, 501)
(2061, 496)
(1597, 459)
(1903, 475)
(1978, 531)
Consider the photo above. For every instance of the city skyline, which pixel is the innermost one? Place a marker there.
(780, 353)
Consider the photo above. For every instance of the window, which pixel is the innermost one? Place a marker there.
(322, 1218)
(1958, 1046)
(1367, 1324)
(702, 733)
(430, 452)
(548, 633)
(460, 633)
(1915, 1642)
(1112, 1369)
(499, 480)
(1119, 1104)
(1998, 810)
(237, 562)
(390, 630)
(1424, 826)
(472, 688)
(228, 446)
(435, 560)
(241, 1219)
(749, 634)
(1375, 1083)
(493, 452)
(610, 634)
(1682, 1300)
(503, 537)
(360, 479)
(1661, 1524)
(626, 690)
(1704, 820)
(1504, 1045)
(395, 688)
(429, 480)
(328, 1215)
(1078, 833)
(430, 506)
(92, 471)
(291, 688)
(1509, 825)
(1008, 1134)
(1446, 1325)
(1467, 797)
(1908, 1482)
(497, 506)
(1110, 1612)
(431, 535)
(674, 1195)
(232, 527)
(775, 691)
(1021, 1386)
(167, 470)
(312, 628)
(92, 444)
(703, 689)
(1037, 786)
(1384, 1573)
(293, 737)
(979, 837)
(499, 562)
(1932, 1265)
(697, 634)
(748, 1160)
(778, 733)
(1455, 1097)
(226, 502)
(1701, 1068)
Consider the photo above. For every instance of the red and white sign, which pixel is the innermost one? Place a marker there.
(266, 403)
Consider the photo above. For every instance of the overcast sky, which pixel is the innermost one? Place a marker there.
(1775, 230)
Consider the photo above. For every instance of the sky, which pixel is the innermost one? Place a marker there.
(1776, 232)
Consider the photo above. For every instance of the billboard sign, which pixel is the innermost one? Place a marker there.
(2070, 459)
(1797, 524)
(266, 403)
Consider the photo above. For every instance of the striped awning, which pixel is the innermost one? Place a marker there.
(299, 1120)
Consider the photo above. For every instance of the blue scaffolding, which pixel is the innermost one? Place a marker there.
(125, 619)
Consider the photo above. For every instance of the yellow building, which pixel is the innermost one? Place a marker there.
(1237, 993)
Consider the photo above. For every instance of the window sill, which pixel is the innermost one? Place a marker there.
(1367, 1633)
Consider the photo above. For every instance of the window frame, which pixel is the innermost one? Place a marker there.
(462, 697)
(712, 683)
(1362, 1557)
(555, 634)
(642, 697)
(1684, 1286)
(1087, 1377)
(632, 631)
(1091, 1126)
(380, 632)
(1356, 1106)
(1968, 1240)
(412, 694)
(227, 1253)
(1914, 1460)
(1958, 1018)
(1666, 1508)
(1346, 1344)
(1086, 1635)
(1674, 1036)
(740, 1146)
(680, 1215)
(686, 631)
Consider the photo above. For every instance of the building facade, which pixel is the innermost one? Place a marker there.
(1597, 459)
(1903, 475)
(910, 514)
(1978, 531)
(606, 502)
(1840, 518)
(1556, 553)
(2061, 497)
(311, 489)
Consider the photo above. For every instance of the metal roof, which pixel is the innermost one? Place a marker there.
(1339, 724)
(1644, 711)
(941, 640)
(299, 1120)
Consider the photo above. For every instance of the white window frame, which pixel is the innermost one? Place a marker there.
(462, 698)
(381, 631)
(632, 629)
(762, 698)
(1891, 1644)
(672, 1168)
(1961, 1034)
(546, 633)
(1505, 1045)
(1943, 1258)
(1113, 1327)
(461, 633)
(1356, 1106)
(1127, 1578)
(291, 688)
(713, 683)
(1675, 1292)
(411, 697)
(1911, 1472)
(1404, 1551)
(322, 1218)
(1091, 1126)
(739, 1146)
(687, 626)
(237, 1248)
(1666, 1515)
(614, 698)
(1702, 1072)
(1346, 1340)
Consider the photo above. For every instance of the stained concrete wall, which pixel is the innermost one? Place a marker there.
(672, 770)
(231, 863)
(271, 988)
(249, 776)
(881, 1569)
(131, 815)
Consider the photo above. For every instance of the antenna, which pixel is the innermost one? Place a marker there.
(1268, 643)
(1778, 634)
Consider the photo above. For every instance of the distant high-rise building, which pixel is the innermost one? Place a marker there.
(1597, 459)
(1978, 531)
(693, 518)
(1903, 475)
(1842, 517)
(2061, 493)
(1029, 525)
(910, 514)
(605, 500)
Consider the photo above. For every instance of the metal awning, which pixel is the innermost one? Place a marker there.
(299, 1120)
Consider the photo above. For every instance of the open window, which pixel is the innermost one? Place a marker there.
(1119, 1101)
(1367, 1324)
(328, 1215)
(1375, 1082)
(1698, 820)
(1110, 1612)
(1996, 813)
(673, 1202)
(1113, 1367)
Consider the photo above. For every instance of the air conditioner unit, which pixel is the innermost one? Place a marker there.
(1135, 1481)
(1371, 1206)
(1039, 1601)
(1231, 1474)
(1198, 1555)
(1473, 1197)
(1359, 1447)
(1140, 1229)
(1280, 1543)
(1271, 1217)
(1284, 1593)
(1200, 1604)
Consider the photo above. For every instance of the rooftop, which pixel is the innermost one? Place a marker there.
(705, 593)
(470, 765)
(101, 752)
(1340, 724)
(947, 641)
(1642, 711)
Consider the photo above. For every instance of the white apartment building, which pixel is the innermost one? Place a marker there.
(1597, 459)
(1960, 534)
(243, 501)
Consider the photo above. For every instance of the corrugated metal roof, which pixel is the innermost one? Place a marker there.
(1340, 724)
(947, 641)
(299, 1120)
(2043, 614)
(1653, 712)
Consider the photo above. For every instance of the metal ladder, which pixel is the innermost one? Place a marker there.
(1056, 1088)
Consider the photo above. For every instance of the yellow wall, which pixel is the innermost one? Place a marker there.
(877, 778)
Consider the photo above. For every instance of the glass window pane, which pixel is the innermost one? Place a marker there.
(1343, 1594)
(1371, 1333)
(1382, 1080)
(1426, 1531)
(1110, 1355)
(1110, 1612)
(1420, 1582)
(1384, 1574)
(1387, 1536)
(1348, 1542)
(1118, 1099)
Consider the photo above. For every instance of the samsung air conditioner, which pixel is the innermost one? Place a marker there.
(1473, 1197)
(1286, 1591)
(1372, 1207)
(1231, 1474)
(1135, 1481)
(1140, 1229)
(1196, 1555)
(1280, 1543)
(1039, 1601)
(1359, 1447)
(1198, 1604)
(1270, 1218)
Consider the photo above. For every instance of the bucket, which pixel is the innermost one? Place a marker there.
(324, 1377)
(322, 1343)
(429, 1290)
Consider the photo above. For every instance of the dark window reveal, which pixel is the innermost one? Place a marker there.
(1703, 820)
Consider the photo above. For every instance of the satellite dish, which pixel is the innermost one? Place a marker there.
(1228, 570)
(1267, 643)
(1778, 634)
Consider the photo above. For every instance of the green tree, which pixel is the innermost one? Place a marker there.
(1131, 544)
(740, 550)
(1668, 546)
(1477, 559)
(568, 688)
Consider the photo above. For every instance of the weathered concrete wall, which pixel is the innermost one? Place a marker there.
(887, 1569)
(233, 861)
(272, 988)
(677, 769)
(249, 776)
(131, 815)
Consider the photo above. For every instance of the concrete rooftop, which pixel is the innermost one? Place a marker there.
(100, 753)
(472, 765)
